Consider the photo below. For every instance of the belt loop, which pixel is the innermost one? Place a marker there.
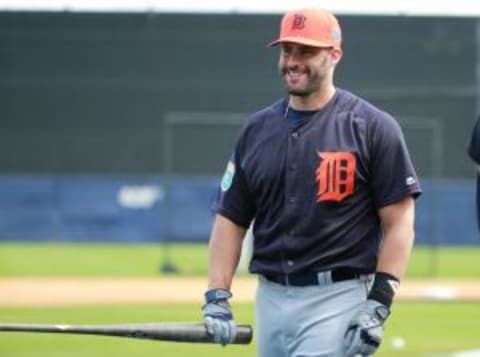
(330, 279)
(366, 277)
(328, 276)
(324, 277)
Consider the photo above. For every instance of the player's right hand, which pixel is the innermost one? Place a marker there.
(218, 316)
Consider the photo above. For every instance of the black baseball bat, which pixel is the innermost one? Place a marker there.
(167, 331)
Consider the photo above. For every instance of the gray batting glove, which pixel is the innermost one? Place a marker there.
(365, 331)
(218, 316)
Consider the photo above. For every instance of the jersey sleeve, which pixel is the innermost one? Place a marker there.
(233, 199)
(474, 146)
(393, 176)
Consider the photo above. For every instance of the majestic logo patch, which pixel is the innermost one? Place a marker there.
(228, 176)
(335, 176)
(298, 22)
(409, 181)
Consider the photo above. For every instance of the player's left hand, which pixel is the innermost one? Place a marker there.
(365, 331)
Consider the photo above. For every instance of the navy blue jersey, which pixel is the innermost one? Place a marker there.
(314, 186)
(474, 153)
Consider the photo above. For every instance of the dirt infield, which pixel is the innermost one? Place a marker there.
(39, 292)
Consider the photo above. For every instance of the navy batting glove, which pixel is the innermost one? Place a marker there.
(365, 331)
(218, 316)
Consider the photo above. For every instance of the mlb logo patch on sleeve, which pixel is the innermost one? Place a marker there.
(228, 176)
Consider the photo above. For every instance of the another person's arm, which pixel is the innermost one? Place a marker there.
(474, 146)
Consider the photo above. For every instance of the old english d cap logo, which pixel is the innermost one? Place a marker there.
(311, 27)
(298, 21)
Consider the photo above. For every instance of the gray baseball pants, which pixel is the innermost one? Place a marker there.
(306, 321)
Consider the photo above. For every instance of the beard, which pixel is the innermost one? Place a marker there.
(312, 81)
(312, 84)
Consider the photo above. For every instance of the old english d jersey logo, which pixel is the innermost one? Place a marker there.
(335, 176)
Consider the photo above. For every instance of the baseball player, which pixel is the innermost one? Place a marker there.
(329, 181)
(474, 153)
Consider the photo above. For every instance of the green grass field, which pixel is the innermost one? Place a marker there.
(429, 329)
(129, 260)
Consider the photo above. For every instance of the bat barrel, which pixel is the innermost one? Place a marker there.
(177, 332)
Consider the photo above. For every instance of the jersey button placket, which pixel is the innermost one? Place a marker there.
(291, 188)
(293, 166)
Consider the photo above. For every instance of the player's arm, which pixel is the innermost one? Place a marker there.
(365, 330)
(397, 222)
(224, 252)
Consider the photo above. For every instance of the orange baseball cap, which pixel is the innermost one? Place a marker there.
(311, 27)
